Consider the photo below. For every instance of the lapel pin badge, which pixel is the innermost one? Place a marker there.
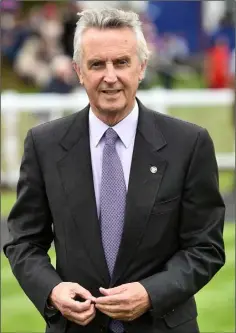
(153, 169)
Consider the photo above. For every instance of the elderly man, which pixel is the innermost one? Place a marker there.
(129, 196)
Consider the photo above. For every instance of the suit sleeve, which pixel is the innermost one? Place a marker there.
(201, 252)
(30, 229)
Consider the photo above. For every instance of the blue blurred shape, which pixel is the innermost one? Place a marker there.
(181, 18)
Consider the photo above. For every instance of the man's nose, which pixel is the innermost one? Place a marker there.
(110, 74)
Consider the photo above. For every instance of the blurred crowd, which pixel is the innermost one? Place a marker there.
(39, 47)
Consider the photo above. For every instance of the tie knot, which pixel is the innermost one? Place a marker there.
(110, 136)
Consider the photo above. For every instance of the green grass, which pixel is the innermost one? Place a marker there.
(8, 198)
(217, 120)
(17, 312)
(215, 301)
(226, 181)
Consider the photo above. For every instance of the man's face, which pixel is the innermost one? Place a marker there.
(110, 69)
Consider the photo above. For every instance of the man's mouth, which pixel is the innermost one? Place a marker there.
(111, 91)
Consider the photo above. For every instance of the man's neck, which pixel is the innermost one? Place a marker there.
(112, 118)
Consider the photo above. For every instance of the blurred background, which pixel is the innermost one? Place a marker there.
(191, 75)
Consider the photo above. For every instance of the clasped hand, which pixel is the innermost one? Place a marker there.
(126, 302)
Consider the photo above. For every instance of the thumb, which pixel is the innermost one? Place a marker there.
(82, 292)
(112, 291)
(104, 291)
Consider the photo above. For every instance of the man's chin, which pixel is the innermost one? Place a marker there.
(112, 107)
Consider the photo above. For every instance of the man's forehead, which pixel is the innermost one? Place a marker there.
(106, 35)
(108, 46)
(107, 58)
(107, 30)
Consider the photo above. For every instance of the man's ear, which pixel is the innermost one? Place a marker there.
(78, 72)
(142, 71)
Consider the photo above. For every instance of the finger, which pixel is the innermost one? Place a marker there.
(104, 291)
(112, 291)
(75, 306)
(110, 300)
(84, 317)
(86, 322)
(114, 315)
(83, 322)
(82, 292)
(110, 308)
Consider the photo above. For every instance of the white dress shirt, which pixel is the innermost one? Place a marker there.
(126, 129)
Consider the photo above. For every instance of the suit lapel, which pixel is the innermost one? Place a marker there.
(143, 187)
(76, 173)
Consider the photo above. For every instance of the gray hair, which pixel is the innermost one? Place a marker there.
(109, 18)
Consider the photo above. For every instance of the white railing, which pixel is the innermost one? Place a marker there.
(54, 105)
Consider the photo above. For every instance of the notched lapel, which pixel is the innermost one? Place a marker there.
(144, 184)
(76, 174)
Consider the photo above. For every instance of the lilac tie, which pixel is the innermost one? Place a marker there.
(113, 199)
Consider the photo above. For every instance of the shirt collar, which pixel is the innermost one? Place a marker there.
(126, 129)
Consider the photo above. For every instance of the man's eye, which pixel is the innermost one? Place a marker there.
(122, 62)
(96, 65)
